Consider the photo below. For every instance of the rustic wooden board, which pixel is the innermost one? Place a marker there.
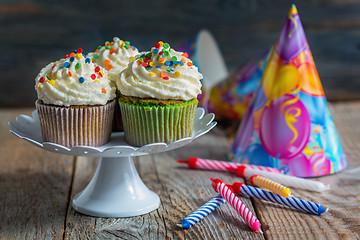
(38, 32)
(36, 189)
(34, 186)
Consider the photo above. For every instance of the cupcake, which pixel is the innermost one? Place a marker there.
(158, 96)
(75, 102)
(114, 57)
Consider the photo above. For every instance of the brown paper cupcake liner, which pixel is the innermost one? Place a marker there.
(76, 125)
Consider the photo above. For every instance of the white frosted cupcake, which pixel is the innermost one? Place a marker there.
(114, 57)
(158, 96)
(75, 102)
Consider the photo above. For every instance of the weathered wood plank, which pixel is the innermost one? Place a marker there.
(342, 221)
(34, 186)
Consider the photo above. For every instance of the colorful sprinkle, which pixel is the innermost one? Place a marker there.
(87, 60)
(166, 78)
(152, 64)
(155, 50)
(72, 54)
(93, 76)
(162, 74)
(96, 56)
(81, 80)
(122, 43)
(131, 59)
(79, 50)
(166, 45)
(79, 56)
(112, 50)
(77, 66)
(69, 74)
(166, 53)
(66, 64)
(189, 64)
(177, 74)
(38, 86)
(107, 61)
(51, 82)
(72, 59)
(144, 64)
(167, 63)
(174, 58)
(152, 73)
(103, 90)
(157, 45)
(108, 67)
(42, 79)
(185, 54)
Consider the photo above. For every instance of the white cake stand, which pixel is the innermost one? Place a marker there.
(116, 190)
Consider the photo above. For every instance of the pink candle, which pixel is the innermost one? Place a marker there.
(228, 193)
(206, 164)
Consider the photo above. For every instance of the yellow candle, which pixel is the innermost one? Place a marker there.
(268, 184)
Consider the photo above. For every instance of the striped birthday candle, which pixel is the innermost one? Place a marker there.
(306, 206)
(202, 212)
(260, 181)
(228, 193)
(290, 181)
(215, 165)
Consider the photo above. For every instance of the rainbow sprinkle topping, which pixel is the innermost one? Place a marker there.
(163, 58)
(109, 47)
(69, 60)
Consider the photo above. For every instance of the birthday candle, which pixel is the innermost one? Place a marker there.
(202, 212)
(268, 184)
(228, 193)
(306, 206)
(289, 181)
(206, 164)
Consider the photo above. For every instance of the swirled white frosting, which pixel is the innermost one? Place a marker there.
(114, 56)
(162, 73)
(74, 80)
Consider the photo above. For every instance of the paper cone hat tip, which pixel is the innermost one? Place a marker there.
(293, 10)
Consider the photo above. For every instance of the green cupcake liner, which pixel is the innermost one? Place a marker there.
(145, 124)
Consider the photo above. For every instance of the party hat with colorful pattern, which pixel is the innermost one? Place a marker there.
(288, 124)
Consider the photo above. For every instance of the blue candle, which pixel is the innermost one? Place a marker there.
(202, 212)
(306, 206)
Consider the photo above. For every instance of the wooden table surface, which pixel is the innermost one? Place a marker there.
(36, 189)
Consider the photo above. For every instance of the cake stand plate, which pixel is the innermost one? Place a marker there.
(116, 189)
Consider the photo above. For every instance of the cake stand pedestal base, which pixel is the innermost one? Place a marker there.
(116, 190)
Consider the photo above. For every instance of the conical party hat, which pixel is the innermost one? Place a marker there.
(288, 124)
(205, 54)
(230, 98)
